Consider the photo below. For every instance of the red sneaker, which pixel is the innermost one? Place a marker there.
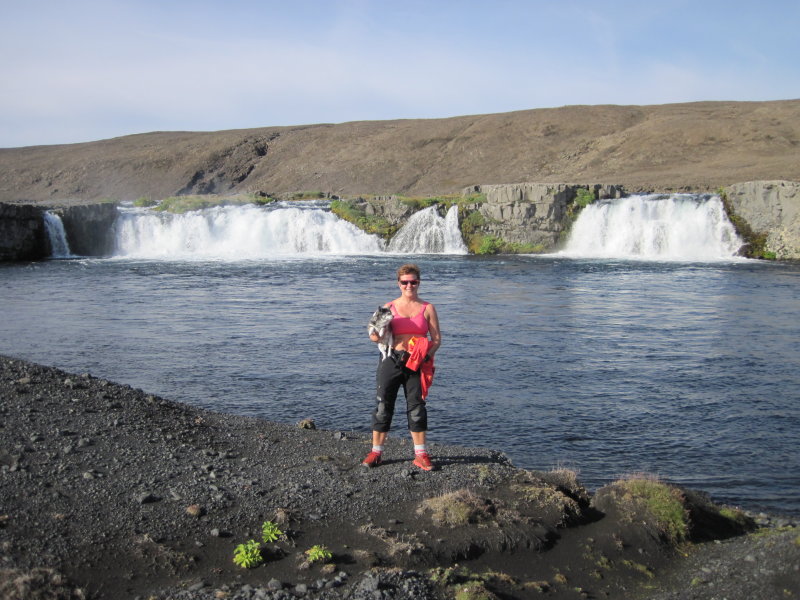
(423, 461)
(373, 460)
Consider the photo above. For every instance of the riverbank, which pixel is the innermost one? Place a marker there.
(110, 492)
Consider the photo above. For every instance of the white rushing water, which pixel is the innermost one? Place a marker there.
(240, 232)
(428, 233)
(656, 227)
(281, 230)
(57, 236)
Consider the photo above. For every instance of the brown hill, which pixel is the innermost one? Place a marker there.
(695, 146)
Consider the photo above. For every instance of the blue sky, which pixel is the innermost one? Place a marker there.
(82, 70)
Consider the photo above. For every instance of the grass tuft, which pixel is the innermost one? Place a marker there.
(457, 509)
(663, 502)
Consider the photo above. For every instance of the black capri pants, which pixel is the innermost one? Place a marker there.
(391, 374)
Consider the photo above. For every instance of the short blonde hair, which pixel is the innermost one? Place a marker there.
(409, 269)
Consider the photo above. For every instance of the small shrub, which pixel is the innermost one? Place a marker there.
(548, 497)
(457, 509)
(270, 532)
(349, 211)
(664, 502)
(489, 245)
(474, 590)
(308, 195)
(484, 474)
(144, 202)
(248, 555)
(417, 202)
(471, 222)
(518, 248)
(318, 553)
(584, 197)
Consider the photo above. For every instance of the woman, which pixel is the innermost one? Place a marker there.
(410, 364)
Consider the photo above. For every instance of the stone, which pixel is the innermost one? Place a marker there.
(771, 207)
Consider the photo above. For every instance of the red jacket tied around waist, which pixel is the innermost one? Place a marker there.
(418, 348)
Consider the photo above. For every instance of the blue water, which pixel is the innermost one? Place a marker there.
(687, 371)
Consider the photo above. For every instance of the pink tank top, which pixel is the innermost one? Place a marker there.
(416, 325)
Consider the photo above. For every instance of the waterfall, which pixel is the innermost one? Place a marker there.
(658, 227)
(428, 233)
(284, 229)
(57, 236)
(240, 233)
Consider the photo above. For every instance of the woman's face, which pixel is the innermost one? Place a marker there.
(409, 283)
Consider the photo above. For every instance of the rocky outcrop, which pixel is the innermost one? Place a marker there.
(89, 228)
(771, 208)
(22, 233)
(391, 208)
(532, 214)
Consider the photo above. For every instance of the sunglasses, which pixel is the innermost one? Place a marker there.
(405, 282)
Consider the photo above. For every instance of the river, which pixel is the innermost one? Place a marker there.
(610, 364)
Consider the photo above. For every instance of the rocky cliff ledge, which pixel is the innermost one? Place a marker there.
(519, 217)
(22, 233)
(771, 208)
(533, 214)
(89, 229)
(534, 217)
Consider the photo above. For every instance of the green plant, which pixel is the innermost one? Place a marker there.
(318, 553)
(308, 195)
(457, 508)
(144, 202)
(489, 245)
(183, 204)
(755, 241)
(270, 532)
(665, 504)
(350, 211)
(584, 197)
(474, 590)
(248, 555)
(471, 222)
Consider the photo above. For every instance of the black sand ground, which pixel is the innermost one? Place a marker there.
(108, 492)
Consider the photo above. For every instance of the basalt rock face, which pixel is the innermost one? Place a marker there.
(773, 208)
(533, 214)
(390, 208)
(89, 228)
(22, 233)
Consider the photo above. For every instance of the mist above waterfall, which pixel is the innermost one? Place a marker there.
(656, 227)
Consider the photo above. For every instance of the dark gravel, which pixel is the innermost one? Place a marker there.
(107, 491)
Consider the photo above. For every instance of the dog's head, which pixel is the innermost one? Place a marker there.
(380, 318)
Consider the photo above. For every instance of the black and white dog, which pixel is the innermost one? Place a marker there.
(379, 323)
